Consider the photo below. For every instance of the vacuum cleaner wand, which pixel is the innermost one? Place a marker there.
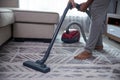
(56, 32)
(39, 64)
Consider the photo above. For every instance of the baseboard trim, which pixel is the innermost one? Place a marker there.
(32, 39)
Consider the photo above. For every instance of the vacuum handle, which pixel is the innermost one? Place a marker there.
(78, 8)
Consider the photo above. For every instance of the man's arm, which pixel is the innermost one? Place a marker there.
(85, 5)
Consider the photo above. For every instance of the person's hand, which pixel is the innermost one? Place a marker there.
(73, 3)
(83, 6)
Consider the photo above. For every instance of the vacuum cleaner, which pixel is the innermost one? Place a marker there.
(73, 35)
(40, 65)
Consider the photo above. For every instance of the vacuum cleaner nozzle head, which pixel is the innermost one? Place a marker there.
(36, 66)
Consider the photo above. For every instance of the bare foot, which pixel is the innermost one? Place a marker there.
(99, 48)
(83, 55)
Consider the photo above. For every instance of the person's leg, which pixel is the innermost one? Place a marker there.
(95, 32)
(99, 44)
(98, 13)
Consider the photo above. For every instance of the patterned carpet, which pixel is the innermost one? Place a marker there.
(103, 65)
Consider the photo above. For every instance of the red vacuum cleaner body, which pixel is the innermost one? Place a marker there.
(70, 36)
